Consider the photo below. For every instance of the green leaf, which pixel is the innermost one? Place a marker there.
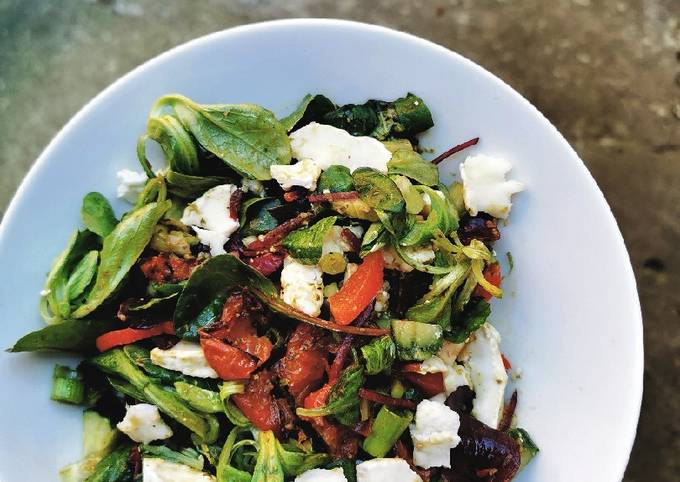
(97, 214)
(190, 187)
(142, 358)
(55, 304)
(431, 307)
(71, 335)
(312, 108)
(199, 398)
(473, 316)
(344, 395)
(306, 244)
(115, 362)
(438, 220)
(404, 117)
(82, 275)
(263, 221)
(409, 163)
(186, 456)
(248, 138)
(121, 249)
(233, 413)
(114, 467)
(377, 190)
(335, 179)
(225, 471)
(412, 197)
(294, 462)
(177, 145)
(379, 355)
(375, 238)
(209, 281)
(268, 466)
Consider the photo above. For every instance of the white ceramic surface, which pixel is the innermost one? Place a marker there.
(570, 320)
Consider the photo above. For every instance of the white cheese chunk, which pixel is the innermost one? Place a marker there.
(130, 184)
(209, 217)
(186, 357)
(434, 434)
(484, 185)
(454, 375)
(142, 423)
(302, 286)
(304, 173)
(155, 469)
(326, 146)
(386, 470)
(322, 475)
(482, 357)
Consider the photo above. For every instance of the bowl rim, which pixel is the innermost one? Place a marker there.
(223, 35)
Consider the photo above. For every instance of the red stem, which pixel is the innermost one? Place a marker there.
(278, 233)
(454, 149)
(372, 396)
(508, 412)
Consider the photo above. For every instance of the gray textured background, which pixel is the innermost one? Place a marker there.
(605, 72)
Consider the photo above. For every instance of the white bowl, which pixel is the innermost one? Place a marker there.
(571, 318)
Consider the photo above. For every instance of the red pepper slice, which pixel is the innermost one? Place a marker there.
(229, 362)
(127, 336)
(359, 290)
(430, 384)
(492, 274)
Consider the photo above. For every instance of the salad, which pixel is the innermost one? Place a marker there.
(287, 299)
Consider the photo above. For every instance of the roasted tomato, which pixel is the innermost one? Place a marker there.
(303, 366)
(492, 274)
(166, 268)
(429, 383)
(237, 326)
(342, 442)
(258, 404)
(229, 362)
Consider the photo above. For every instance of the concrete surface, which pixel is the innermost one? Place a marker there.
(606, 72)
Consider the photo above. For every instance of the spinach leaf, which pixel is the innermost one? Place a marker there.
(312, 108)
(473, 316)
(377, 190)
(248, 138)
(404, 117)
(268, 466)
(379, 354)
(306, 244)
(207, 283)
(186, 456)
(335, 179)
(70, 335)
(348, 466)
(55, 303)
(177, 145)
(343, 397)
(264, 221)
(82, 275)
(190, 187)
(121, 249)
(409, 163)
(97, 214)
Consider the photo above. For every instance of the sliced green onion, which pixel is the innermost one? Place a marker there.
(68, 385)
(387, 428)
